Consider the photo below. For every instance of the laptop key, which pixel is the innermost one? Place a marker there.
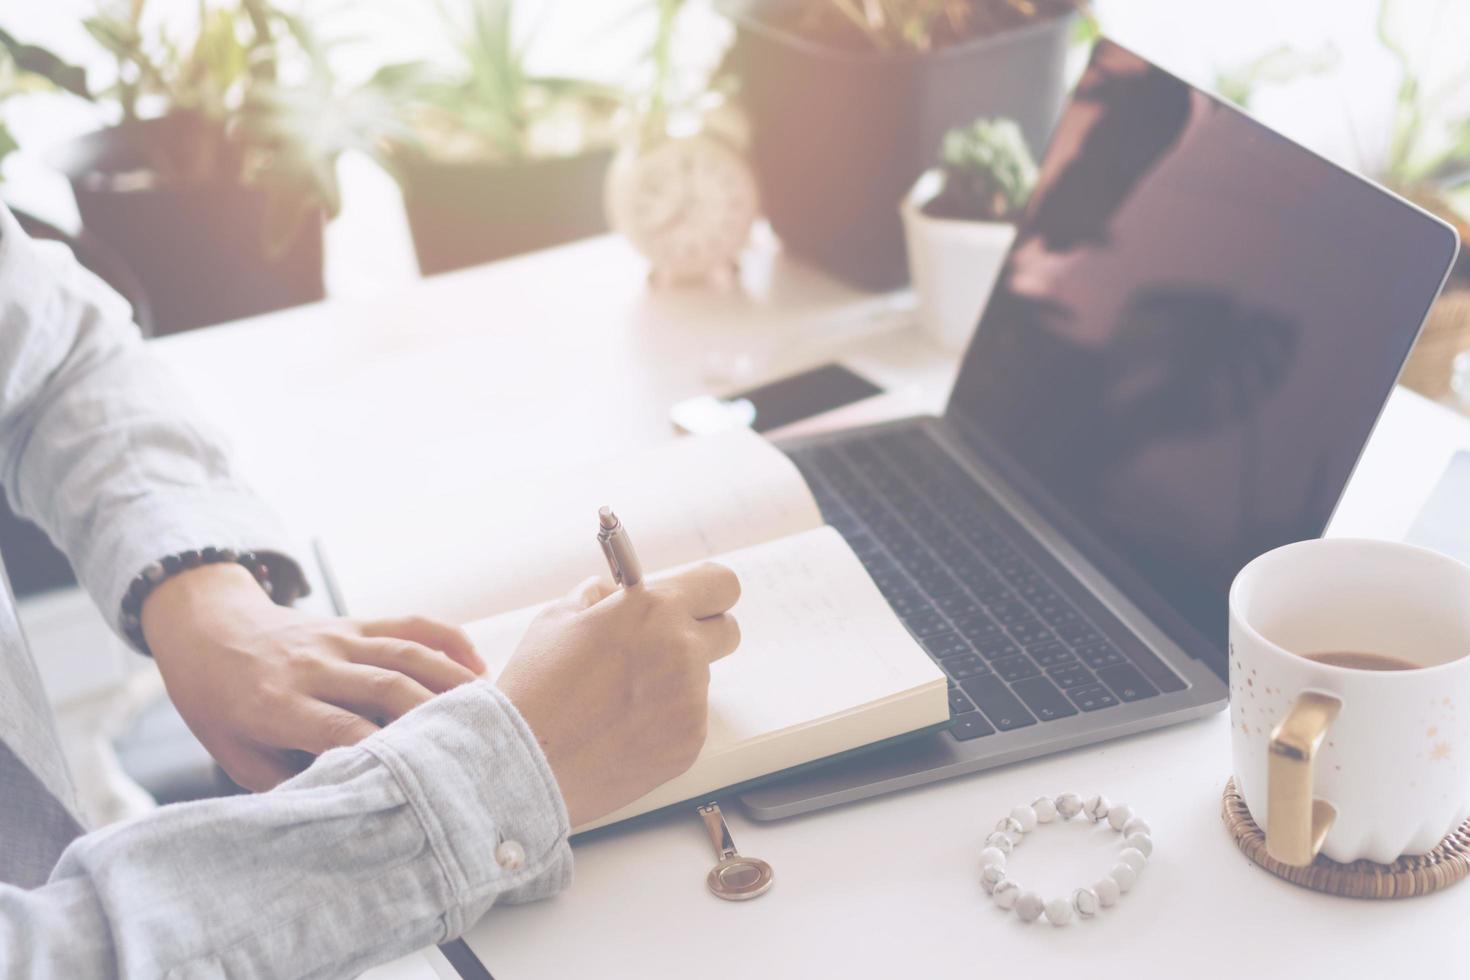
(941, 645)
(995, 647)
(999, 705)
(1127, 683)
(970, 725)
(1091, 697)
(925, 622)
(1078, 633)
(1030, 632)
(1100, 655)
(1012, 669)
(963, 668)
(1008, 611)
(978, 625)
(957, 605)
(1051, 655)
(908, 604)
(937, 582)
(1043, 698)
(958, 703)
(1071, 675)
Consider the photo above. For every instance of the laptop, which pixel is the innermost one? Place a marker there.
(1187, 348)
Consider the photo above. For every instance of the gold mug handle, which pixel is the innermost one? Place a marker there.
(1297, 824)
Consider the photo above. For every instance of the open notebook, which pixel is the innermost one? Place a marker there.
(824, 666)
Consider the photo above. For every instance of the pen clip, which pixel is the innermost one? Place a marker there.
(612, 558)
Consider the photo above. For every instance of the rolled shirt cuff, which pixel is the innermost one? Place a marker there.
(175, 520)
(473, 771)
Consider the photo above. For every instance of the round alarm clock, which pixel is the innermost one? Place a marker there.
(685, 202)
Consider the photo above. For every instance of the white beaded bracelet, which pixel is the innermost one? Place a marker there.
(1138, 845)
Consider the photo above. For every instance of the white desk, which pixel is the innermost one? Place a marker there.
(342, 412)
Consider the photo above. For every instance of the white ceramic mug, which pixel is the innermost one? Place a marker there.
(1356, 764)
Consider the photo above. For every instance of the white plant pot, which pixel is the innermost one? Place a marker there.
(953, 265)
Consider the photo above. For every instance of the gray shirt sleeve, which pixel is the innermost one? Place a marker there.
(97, 442)
(374, 851)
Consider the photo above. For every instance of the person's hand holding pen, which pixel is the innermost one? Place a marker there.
(615, 682)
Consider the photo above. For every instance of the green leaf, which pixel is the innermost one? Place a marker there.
(117, 37)
(1277, 66)
(38, 61)
(218, 59)
(8, 145)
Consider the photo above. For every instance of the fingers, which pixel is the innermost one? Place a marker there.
(430, 668)
(431, 633)
(706, 589)
(372, 692)
(718, 636)
(318, 727)
(255, 769)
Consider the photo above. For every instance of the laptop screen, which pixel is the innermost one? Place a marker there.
(1190, 341)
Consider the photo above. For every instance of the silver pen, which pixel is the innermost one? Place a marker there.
(627, 571)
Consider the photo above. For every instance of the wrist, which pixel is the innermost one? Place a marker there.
(208, 597)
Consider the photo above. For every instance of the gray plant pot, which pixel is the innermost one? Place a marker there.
(198, 247)
(465, 213)
(838, 136)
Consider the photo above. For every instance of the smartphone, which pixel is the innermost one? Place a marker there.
(773, 405)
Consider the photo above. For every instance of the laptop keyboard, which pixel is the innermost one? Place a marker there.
(1017, 652)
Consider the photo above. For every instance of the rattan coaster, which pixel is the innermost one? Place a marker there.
(1405, 878)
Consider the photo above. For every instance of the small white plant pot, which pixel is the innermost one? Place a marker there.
(953, 265)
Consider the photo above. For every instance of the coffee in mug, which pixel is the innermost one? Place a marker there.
(1361, 661)
(1350, 698)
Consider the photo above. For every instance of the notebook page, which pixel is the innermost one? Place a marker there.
(474, 551)
(819, 646)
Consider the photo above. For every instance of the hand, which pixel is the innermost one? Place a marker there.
(615, 684)
(259, 683)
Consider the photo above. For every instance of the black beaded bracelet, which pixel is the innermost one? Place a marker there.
(156, 572)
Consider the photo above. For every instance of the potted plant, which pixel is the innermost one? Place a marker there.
(216, 179)
(958, 223)
(848, 100)
(499, 160)
(1424, 155)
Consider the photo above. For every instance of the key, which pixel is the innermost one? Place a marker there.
(1051, 655)
(1091, 697)
(1127, 682)
(996, 647)
(970, 725)
(957, 605)
(999, 705)
(978, 625)
(1043, 698)
(1012, 669)
(941, 645)
(908, 604)
(1008, 611)
(963, 668)
(736, 877)
(1078, 634)
(925, 622)
(1100, 655)
(1071, 675)
(937, 582)
(1030, 632)
(958, 703)
(888, 578)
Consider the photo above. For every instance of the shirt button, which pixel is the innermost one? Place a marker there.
(510, 855)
